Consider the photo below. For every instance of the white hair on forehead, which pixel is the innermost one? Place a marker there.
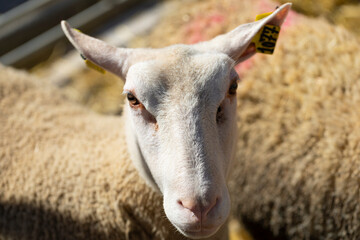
(202, 79)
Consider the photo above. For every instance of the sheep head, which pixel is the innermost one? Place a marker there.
(181, 117)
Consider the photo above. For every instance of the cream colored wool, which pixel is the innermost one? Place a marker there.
(65, 172)
(297, 174)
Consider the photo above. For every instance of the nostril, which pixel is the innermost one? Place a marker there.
(197, 207)
(191, 205)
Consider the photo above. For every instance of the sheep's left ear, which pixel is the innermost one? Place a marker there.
(113, 59)
(237, 43)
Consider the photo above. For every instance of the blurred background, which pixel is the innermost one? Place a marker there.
(31, 37)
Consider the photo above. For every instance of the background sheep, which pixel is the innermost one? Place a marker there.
(82, 184)
(298, 158)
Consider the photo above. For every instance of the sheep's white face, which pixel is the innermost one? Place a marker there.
(181, 117)
(184, 126)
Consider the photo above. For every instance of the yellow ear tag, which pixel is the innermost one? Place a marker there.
(92, 65)
(265, 39)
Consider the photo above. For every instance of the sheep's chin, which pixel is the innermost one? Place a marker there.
(198, 234)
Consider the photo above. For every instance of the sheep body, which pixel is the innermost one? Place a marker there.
(65, 171)
(298, 158)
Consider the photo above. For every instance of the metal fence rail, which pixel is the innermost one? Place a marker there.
(29, 33)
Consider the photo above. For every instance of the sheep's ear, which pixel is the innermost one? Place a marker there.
(115, 60)
(237, 43)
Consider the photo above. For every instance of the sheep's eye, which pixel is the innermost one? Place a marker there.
(132, 99)
(233, 88)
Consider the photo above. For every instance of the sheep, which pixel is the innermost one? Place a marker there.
(66, 173)
(297, 168)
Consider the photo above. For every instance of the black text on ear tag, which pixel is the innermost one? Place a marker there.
(265, 39)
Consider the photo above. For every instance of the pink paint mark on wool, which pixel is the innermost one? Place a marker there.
(244, 66)
(291, 19)
(266, 6)
(217, 18)
(196, 30)
(195, 38)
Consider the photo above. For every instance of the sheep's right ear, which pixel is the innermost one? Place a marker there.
(237, 43)
(113, 59)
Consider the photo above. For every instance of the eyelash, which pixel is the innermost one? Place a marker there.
(219, 114)
(220, 111)
(133, 101)
(233, 88)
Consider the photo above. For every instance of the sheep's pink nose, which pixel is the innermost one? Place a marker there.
(198, 208)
